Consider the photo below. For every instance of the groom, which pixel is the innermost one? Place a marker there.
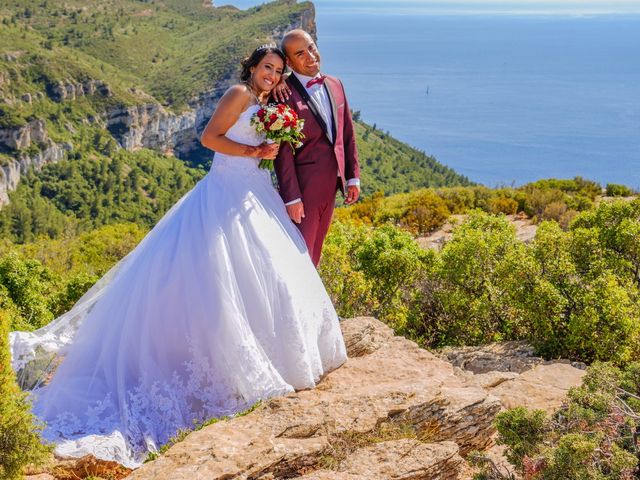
(327, 161)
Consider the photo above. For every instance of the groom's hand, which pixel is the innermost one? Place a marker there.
(296, 212)
(353, 193)
(281, 92)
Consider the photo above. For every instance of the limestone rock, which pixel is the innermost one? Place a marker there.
(361, 338)
(501, 357)
(19, 138)
(543, 387)
(405, 459)
(11, 171)
(491, 379)
(391, 382)
(513, 373)
(151, 126)
(70, 90)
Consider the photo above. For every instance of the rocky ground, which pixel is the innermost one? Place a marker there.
(393, 411)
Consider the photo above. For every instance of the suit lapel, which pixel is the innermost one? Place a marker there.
(334, 109)
(309, 101)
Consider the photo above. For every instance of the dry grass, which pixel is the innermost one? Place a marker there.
(344, 443)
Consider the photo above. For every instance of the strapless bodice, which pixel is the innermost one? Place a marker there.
(242, 132)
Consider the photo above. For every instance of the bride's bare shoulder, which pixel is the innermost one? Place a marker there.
(235, 100)
(237, 93)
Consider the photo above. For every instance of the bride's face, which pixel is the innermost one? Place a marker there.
(267, 73)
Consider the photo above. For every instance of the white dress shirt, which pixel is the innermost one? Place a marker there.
(318, 94)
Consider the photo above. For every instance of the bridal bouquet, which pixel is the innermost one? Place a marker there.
(279, 123)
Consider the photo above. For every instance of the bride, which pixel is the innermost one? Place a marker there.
(218, 307)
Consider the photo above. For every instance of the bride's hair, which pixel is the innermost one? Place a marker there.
(256, 56)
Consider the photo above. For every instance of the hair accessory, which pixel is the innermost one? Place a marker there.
(266, 46)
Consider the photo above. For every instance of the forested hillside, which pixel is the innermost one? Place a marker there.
(172, 49)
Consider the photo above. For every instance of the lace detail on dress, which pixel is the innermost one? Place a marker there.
(155, 410)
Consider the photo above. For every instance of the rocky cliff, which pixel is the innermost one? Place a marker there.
(152, 126)
(33, 149)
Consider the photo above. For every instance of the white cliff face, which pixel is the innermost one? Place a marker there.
(11, 172)
(71, 90)
(141, 126)
(22, 137)
(150, 126)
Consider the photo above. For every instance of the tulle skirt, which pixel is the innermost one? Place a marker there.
(218, 307)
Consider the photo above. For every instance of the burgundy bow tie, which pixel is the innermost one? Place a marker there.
(317, 80)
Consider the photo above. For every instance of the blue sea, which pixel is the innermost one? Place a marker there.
(504, 92)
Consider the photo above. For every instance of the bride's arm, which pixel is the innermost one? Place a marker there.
(231, 105)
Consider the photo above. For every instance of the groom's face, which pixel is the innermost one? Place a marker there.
(303, 56)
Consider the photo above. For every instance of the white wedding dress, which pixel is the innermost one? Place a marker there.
(217, 308)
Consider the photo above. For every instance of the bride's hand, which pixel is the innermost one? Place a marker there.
(267, 151)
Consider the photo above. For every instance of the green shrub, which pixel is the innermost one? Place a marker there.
(349, 289)
(19, 434)
(554, 211)
(26, 288)
(458, 199)
(550, 199)
(72, 291)
(617, 190)
(42, 280)
(575, 305)
(394, 264)
(616, 226)
(366, 210)
(522, 431)
(419, 212)
(467, 298)
(373, 271)
(537, 200)
(425, 212)
(571, 293)
(575, 186)
(508, 206)
(591, 437)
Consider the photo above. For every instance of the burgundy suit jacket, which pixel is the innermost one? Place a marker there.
(314, 171)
